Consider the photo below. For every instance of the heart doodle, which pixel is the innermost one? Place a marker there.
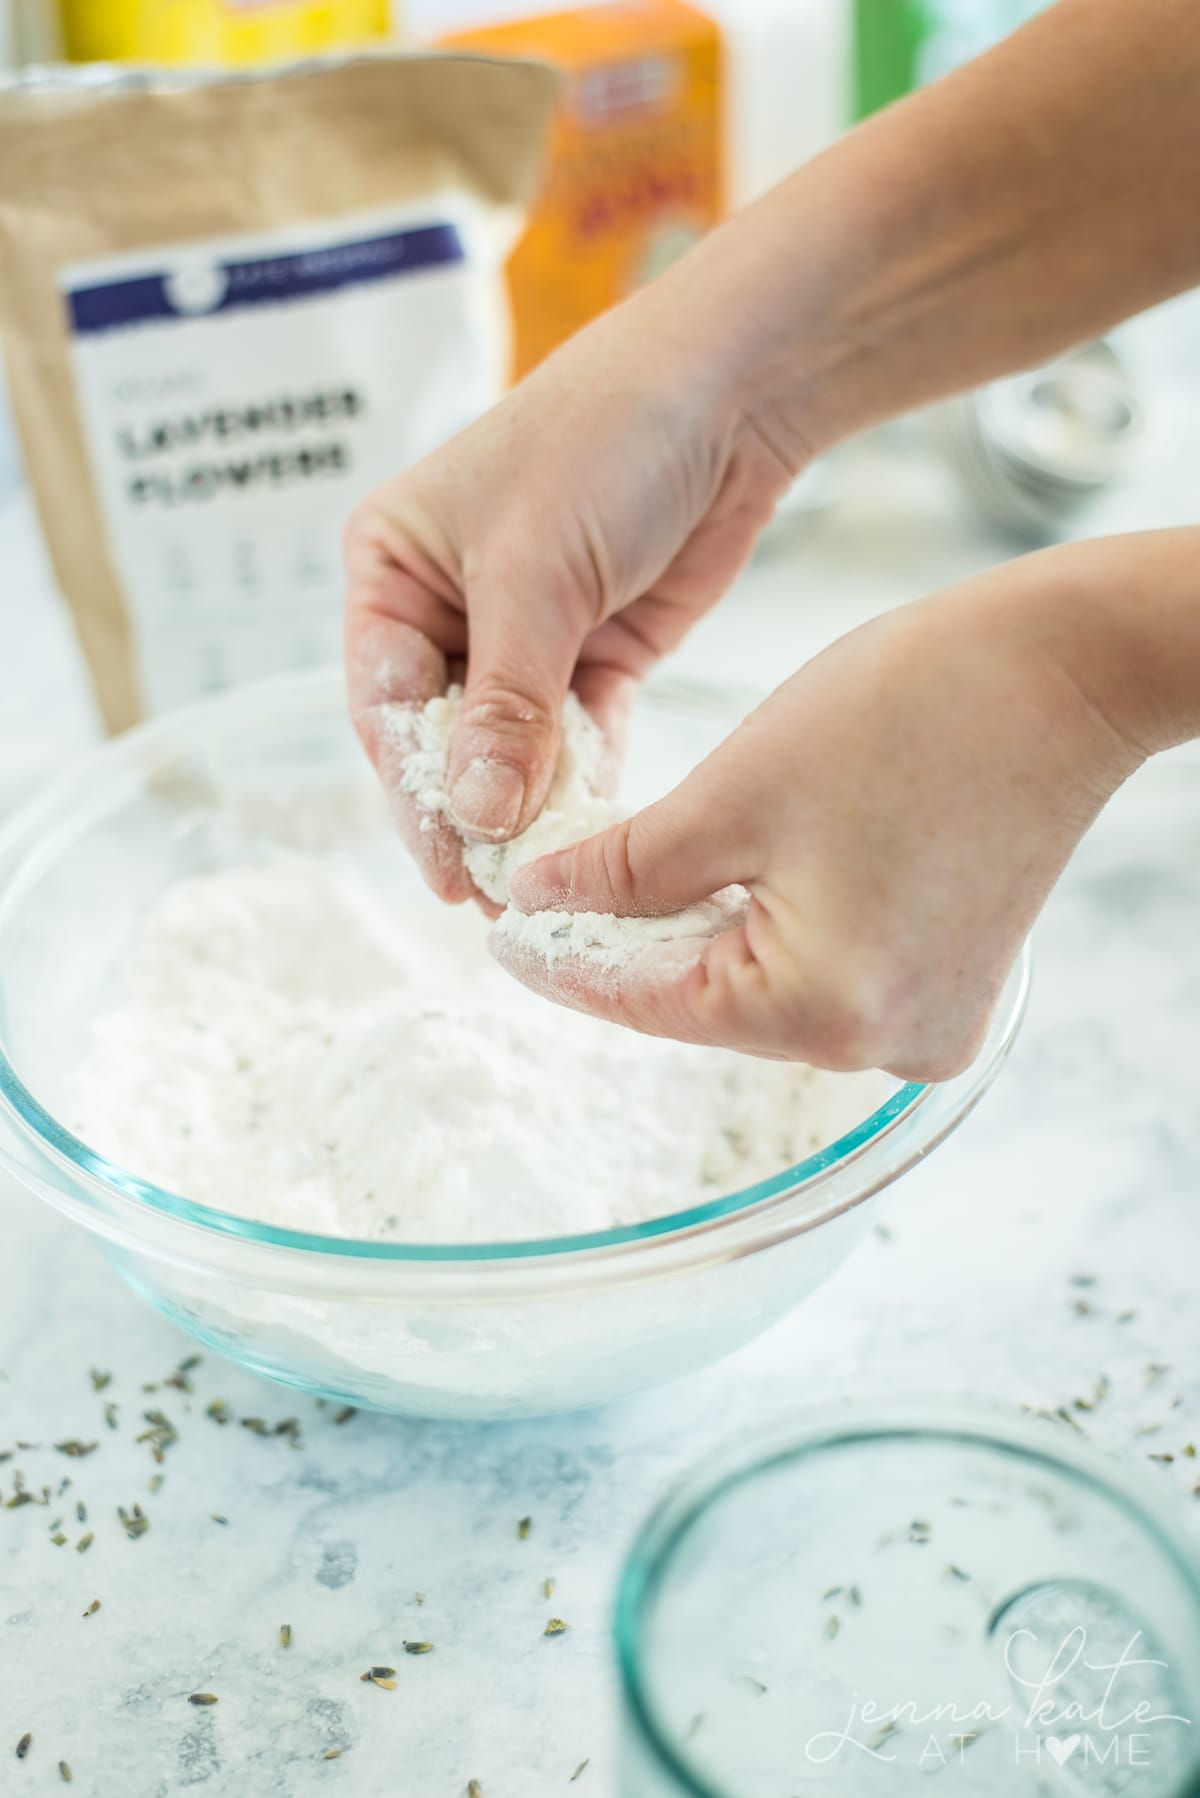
(1062, 1747)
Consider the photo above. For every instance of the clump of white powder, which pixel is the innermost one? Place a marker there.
(572, 811)
(608, 942)
(573, 808)
(291, 1049)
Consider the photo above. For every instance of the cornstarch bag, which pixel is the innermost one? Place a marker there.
(228, 307)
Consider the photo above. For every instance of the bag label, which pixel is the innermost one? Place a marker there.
(239, 396)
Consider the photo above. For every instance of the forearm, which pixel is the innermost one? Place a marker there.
(1122, 617)
(1025, 203)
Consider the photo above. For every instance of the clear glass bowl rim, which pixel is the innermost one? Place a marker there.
(828, 1428)
(33, 835)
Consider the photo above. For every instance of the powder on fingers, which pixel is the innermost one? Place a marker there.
(573, 811)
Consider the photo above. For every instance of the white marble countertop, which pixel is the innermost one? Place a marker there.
(1083, 1165)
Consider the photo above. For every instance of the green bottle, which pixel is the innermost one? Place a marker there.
(901, 44)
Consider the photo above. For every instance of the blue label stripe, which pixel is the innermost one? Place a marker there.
(198, 290)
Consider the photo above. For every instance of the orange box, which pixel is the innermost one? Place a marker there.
(634, 164)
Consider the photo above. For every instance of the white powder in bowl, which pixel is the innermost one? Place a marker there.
(291, 1048)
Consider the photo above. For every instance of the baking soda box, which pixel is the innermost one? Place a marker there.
(634, 168)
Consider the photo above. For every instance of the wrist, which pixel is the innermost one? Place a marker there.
(1130, 607)
(949, 240)
(792, 318)
(1120, 618)
(767, 335)
(722, 327)
(804, 308)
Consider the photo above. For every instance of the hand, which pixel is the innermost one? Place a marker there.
(576, 532)
(899, 811)
(570, 538)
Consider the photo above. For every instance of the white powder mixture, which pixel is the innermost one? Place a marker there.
(573, 810)
(292, 1049)
(607, 943)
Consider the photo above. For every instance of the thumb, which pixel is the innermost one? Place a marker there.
(521, 656)
(710, 975)
(658, 872)
(675, 853)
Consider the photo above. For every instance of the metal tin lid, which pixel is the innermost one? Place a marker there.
(1033, 448)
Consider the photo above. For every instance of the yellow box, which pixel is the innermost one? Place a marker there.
(217, 32)
(634, 166)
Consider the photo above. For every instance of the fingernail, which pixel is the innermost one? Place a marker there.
(487, 798)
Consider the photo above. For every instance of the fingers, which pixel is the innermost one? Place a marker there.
(523, 650)
(701, 989)
(391, 667)
(405, 639)
(748, 989)
(667, 958)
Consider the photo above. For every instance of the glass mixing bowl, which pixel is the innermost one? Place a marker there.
(874, 1603)
(453, 1330)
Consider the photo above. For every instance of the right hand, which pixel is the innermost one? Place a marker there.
(569, 538)
(899, 811)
